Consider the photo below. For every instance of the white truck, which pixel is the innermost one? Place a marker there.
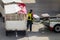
(52, 23)
(13, 23)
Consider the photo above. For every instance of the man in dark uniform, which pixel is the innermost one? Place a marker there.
(30, 20)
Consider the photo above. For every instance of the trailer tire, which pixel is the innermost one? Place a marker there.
(22, 33)
(9, 33)
(57, 28)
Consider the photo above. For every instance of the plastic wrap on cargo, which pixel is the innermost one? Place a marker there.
(11, 8)
(23, 8)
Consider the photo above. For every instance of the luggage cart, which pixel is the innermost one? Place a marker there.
(14, 24)
(13, 21)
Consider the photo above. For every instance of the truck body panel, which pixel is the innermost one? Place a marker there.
(15, 25)
(52, 24)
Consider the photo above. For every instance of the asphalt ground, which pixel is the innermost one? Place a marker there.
(38, 33)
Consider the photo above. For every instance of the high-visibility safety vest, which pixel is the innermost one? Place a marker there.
(30, 16)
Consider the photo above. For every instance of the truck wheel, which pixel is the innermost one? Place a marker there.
(57, 28)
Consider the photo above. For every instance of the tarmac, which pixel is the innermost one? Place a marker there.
(38, 33)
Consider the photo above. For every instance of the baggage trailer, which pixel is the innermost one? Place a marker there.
(13, 21)
(14, 25)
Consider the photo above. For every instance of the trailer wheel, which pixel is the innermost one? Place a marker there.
(22, 33)
(57, 28)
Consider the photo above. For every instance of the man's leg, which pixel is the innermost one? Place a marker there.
(31, 27)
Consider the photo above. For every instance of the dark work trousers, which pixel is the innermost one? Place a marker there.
(29, 24)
